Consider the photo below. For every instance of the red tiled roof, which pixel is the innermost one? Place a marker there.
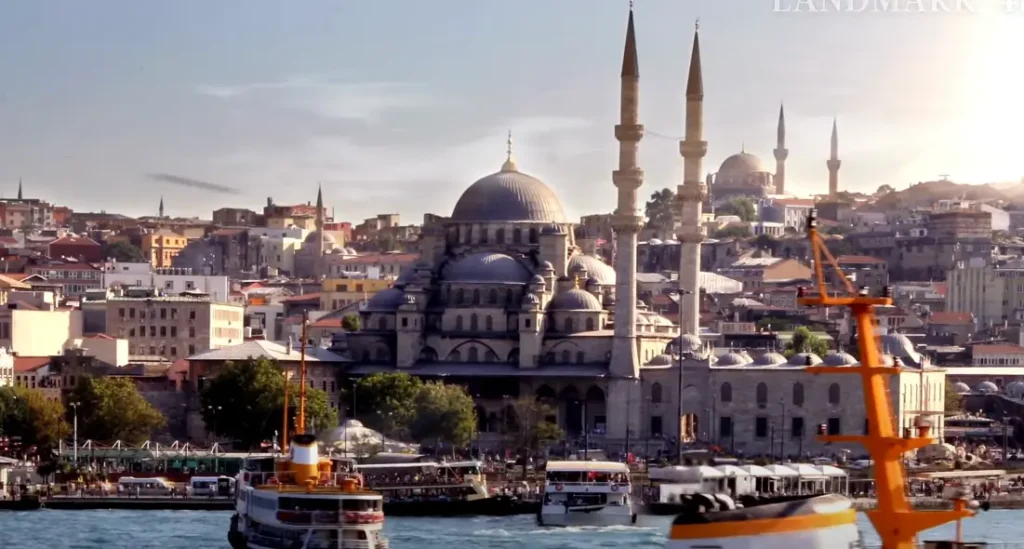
(858, 259)
(101, 336)
(951, 317)
(17, 276)
(64, 267)
(8, 241)
(302, 297)
(30, 363)
(327, 323)
(380, 258)
(998, 349)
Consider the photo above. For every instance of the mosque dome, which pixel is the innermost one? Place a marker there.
(405, 277)
(1015, 389)
(510, 196)
(804, 359)
(575, 300)
(961, 388)
(661, 360)
(899, 346)
(770, 358)
(839, 358)
(689, 342)
(328, 238)
(987, 387)
(732, 359)
(654, 242)
(486, 267)
(741, 165)
(595, 267)
(387, 300)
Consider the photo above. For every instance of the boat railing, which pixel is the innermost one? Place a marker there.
(556, 484)
(288, 478)
(328, 518)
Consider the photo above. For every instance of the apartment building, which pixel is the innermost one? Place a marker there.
(27, 331)
(170, 281)
(75, 278)
(174, 327)
(336, 293)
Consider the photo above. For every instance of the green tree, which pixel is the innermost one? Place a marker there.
(660, 210)
(884, 190)
(444, 412)
(30, 415)
(112, 409)
(776, 324)
(246, 403)
(954, 400)
(531, 427)
(122, 251)
(351, 323)
(387, 401)
(804, 341)
(742, 207)
(732, 230)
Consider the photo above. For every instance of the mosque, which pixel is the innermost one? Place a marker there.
(504, 300)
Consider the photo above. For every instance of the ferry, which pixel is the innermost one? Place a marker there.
(427, 480)
(586, 493)
(829, 521)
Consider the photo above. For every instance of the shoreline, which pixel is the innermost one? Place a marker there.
(933, 504)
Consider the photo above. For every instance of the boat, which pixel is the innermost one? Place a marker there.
(586, 493)
(300, 500)
(439, 489)
(829, 521)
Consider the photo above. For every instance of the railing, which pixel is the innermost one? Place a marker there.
(288, 478)
(954, 545)
(329, 518)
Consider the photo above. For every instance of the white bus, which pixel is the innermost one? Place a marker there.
(152, 486)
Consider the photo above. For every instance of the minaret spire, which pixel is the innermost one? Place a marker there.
(781, 153)
(626, 222)
(691, 194)
(834, 163)
(161, 211)
(510, 163)
(321, 249)
(20, 197)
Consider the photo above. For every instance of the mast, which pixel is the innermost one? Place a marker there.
(302, 378)
(895, 520)
(284, 420)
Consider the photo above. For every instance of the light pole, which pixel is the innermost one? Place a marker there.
(74, 435)
(782, 430)
(214, 412)
(679, 393)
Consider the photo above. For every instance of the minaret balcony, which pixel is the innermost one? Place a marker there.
(629, 132)
(630, 178)
(626, 223)
(781, 154)
(693, 149)
(691, 191)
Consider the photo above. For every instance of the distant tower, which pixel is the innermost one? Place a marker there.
(833, 163)
(20, 197)
(781, 153)
(161, 214)
(691, 195)
(321, 250)
(626, 223)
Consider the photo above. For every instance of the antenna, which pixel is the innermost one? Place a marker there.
(944, 176)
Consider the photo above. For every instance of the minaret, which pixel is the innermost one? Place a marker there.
(691, 195)
(834, 163)
(161, 213)
(321, 251)
(20, 197)
(781, 153)
(626, 223)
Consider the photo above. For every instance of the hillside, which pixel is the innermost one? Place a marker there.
(923, 195)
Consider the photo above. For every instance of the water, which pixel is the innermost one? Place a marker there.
(208, 530)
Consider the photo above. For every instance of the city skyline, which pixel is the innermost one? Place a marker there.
(394, 115)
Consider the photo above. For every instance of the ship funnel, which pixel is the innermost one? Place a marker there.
(305, 458)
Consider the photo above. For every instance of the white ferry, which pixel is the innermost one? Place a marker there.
(587, 493)
(300, 502)
(427, 480)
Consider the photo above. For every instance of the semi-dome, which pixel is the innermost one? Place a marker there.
(487, 267)
(595, 267)
(575, 300)
(732, 359)
(511, 196)
(839, 358)
(961, 388)
(1015, 389)
(741, 164)
(661, 360)
(770, 358)
(804, 359)
(689, 343)
(328, 238)
(387, 300)
(987, 387)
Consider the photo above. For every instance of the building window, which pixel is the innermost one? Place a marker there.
(833, 394)
(656, 428)
(656, 393)
(834, 426)
(174, 331)
(458, 322)
(473, 355)
(492, 296)
(476, 297)
(760, 427)
(725, 392)
(566, 357)
(798, 394)
(382, 323)
(796, 427)
(192, 332)
(474, 322)
(526, 322)
(724, 427)
(488, 324)
(163, 315)
(762, 395)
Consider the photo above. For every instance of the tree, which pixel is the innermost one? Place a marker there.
(954, 400)
(122, 251)
(30, 415)
(660, 210)
(246, 403)
(732, 230)
(740, 207)
(804, 341)
(351, 323)
(111, 408)
(530, 427)
(387, 401)
(884, 190)
(444, 412)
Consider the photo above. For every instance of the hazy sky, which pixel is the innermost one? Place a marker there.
(397, 106)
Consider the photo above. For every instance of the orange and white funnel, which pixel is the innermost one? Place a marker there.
(304, 461)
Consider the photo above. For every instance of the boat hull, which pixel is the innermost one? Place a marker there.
(600, 517)
(493, 507)
(834, 537)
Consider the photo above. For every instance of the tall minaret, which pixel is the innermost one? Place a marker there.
(625, 359)
(781, 153)
(19, 189)
(160, 215)
(833, 163)
(320, 251)
(691, 195)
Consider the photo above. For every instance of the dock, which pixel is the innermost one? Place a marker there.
(139, 504)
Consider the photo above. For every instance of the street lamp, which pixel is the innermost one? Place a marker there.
(214, 412)
(74, 436)
(782, 430)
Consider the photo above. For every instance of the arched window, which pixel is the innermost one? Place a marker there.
(483, 235)
(833, 394)
(568, 326)
(458, 322)
(476, 296)
(580, 357)
(489, 356)
(455, 356)
(382, 354)
(725, 392)
(590, 324)
(566, 357)
(473, 355)
(798, 394)
(382, 323)
(533, 235)
(762, 395)
(469, 234)
(499, 236)
(509, 297)
(492, 296)
(517, 236)
(488, 324)
(656, 393)
(474, 323)
(460, 296)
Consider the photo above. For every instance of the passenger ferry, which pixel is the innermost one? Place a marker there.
(427, 481)
(587, 493)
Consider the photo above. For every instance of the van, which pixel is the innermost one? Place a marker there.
(211, 486)
(155, 486)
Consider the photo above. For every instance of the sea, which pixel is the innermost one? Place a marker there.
(48, 529)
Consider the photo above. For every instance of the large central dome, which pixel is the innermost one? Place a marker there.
(510, 196)
(741, 164)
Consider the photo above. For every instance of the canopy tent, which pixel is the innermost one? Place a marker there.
(352, 437)
(732, 471)
(806, 470)
(758, 471)
(781, 471)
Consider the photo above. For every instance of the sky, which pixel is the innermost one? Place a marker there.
(399, 105)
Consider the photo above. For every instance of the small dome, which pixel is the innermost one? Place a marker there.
(987, 387)
(311, 238)
(899, 345)
(509, 196)
(486, 267)
(740, 165)
(553, 229)
(575, 300)
(547, 266)
(654, 242)
(801, 359)
(351, 251)
(1015, 389)
(732, 359)
(689, 343)
(537, 279)
(658, 320)
(385, 300)
(961, 388)
(530, 299)
(770, 358)
(661, 360)
(839, 358)
(595, 267)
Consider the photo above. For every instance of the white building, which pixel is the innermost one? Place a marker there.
(170, 281)
(293, 232)
(6, 368)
